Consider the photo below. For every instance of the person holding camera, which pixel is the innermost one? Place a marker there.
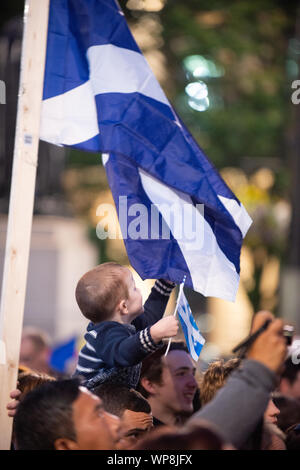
(238, 408)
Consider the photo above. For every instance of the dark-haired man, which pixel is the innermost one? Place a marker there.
(131, 407)
(63, 415)
(169, 384)
(290, 380)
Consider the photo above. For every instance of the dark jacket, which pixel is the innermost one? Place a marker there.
(114, 351)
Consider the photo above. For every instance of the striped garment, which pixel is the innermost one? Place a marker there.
(113, 351)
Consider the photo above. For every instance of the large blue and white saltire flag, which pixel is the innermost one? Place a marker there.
(193, 337)
(101, 95)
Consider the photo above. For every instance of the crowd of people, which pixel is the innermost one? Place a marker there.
(127, 393)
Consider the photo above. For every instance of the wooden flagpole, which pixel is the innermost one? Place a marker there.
(21, 202)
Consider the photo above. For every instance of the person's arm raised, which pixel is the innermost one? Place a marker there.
(238, 406)
(270, 347)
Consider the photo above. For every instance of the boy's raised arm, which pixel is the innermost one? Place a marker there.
(155, 305)
(117, 348)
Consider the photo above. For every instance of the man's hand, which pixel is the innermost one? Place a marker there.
(167, 327)
(13, 405)
(259, 319)
(270, 347)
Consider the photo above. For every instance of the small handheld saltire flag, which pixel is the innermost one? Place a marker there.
(193, 337)
(101, 95)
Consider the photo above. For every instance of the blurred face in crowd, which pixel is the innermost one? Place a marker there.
(178, 386)
(289, 389)
(33, 357)
(95, 429)
(134, 426)
(272, 412)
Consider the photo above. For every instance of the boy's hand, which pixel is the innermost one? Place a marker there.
(167, 327)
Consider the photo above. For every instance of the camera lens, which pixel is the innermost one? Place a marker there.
(288, 332)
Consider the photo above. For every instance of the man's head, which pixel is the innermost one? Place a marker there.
(35, 350)
(200, 436)
(272, 412)
(63, 415)
(289, 411)
(215, 377)
(107, 290)
(290, 380)
(131, 407)
(169, 383)
(28, 381)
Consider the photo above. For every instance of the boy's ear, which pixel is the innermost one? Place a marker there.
(123, 307)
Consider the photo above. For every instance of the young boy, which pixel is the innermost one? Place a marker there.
(121, 332)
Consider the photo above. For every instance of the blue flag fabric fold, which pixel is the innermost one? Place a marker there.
(100, 95)
(62, 353)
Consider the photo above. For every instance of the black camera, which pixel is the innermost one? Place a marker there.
(288, 332)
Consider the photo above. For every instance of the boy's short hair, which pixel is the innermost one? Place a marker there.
(100, 290)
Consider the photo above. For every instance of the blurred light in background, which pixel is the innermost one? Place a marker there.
(157, 62)
(211, 19)
(147, 31)
(206, 322)
(269, 283)
(283, 213)
(210, 352)
(264, 178)
(294, 46)
(200, 67)
(198, 95)
(292, 68)
(145, 5)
